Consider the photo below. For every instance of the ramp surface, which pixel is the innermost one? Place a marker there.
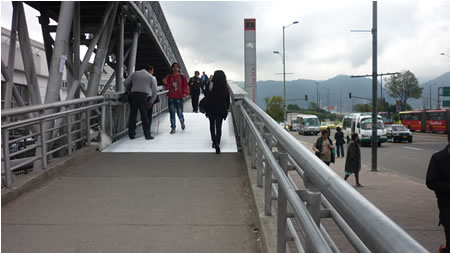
(196, 138)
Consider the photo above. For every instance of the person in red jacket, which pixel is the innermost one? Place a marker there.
(177, 85)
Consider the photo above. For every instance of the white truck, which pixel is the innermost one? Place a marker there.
(362, 125)
(308, 124)
(292, 121)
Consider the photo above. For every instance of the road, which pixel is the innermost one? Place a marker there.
(406, 159)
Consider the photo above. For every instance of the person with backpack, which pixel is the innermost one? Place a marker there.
(323, 147)
(176, 84)
(339, 137)
(194, 88)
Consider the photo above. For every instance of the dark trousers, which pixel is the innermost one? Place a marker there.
(195, 93)
(340, 150)
(447, 237)
(215, 127)
(150, 118)
(138, 101)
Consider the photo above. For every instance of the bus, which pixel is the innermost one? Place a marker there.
(426, 120)
(388, 118)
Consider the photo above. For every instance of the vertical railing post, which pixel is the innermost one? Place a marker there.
(43, 145)
(88, 128)
(268, 185)
(259, 166)
(8, 172)
(69, 135)
(282, 209)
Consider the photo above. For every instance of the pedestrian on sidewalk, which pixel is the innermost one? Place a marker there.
(438, 180)
(218, 102)
(194, 88)
(139, 84)
(152, 100)
(204, 81)
(353, 160)
(339, 137)
(323, 148)
(176, 84)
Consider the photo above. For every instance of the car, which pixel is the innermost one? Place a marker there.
(331, 125)
(339, 125)
(398, 133)
(323, 126)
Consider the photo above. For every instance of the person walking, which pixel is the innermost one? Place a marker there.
(194, 88)
(339, 137)
(323, 148)
(438, 180)
(218, 102)
(204, 81)
(152, 100)
(178, 88)
(139, 84)
(353, 160)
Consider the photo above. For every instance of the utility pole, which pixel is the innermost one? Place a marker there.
(317, 96)
(374, 85)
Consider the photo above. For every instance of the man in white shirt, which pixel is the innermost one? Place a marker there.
(141, 88)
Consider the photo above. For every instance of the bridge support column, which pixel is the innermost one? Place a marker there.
(133, 52)
(11, 59)
(119, 58)
(59, 55)
(101, 54)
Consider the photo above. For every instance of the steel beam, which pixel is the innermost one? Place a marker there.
(11, 57)
(101, 54)
(27, 54)
(132, 56)
(59, 55)
(120, 56)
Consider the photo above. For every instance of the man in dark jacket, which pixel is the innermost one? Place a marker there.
(438, 180)
(194, 88)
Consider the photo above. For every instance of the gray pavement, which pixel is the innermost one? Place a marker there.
(137, 202)
(407, 202)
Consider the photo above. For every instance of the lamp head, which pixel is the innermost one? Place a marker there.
(276, 52)
(295, 22)
(442, 53)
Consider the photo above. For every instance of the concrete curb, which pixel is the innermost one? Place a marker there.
(39, 178)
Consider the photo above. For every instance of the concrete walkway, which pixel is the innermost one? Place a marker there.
(137, 202)
(190, 201)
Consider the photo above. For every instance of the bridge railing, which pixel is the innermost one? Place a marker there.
(277, 156)
(30, 134)
(95, 120)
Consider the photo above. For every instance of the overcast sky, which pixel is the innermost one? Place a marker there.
(210, 36)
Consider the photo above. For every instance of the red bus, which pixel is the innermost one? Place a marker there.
(426, 120)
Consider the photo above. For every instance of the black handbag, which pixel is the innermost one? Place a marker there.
(125, 97)
(203, 104)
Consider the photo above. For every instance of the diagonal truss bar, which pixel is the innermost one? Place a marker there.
(11, 57)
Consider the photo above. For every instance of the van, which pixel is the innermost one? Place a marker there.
(362, 125)
(308, 124)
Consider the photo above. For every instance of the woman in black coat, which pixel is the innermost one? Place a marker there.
(218, 98)
(353, 160)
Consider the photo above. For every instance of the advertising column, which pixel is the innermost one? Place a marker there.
(250, 57)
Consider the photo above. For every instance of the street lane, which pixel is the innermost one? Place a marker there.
(407, 159)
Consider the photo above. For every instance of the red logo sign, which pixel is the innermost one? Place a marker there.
(250, 24)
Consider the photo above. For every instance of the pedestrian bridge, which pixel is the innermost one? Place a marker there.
(91, 189)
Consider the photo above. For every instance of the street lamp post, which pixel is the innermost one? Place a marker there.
(317, 90)
(283, 56)
(328, 96)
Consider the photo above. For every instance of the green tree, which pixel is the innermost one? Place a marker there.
(382, 105)
(362, 108)
(293, 107)
(404, 87)
(274, 107)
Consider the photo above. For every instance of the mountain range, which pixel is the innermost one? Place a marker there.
(335, 91)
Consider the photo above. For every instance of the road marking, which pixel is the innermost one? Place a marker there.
(413, 148)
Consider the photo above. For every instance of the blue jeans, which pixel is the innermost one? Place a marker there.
(175, 105)
(339, 149)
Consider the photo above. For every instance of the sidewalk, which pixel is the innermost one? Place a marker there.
(408, 203)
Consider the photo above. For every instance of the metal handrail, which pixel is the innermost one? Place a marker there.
(41, 148)
(354, 214)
